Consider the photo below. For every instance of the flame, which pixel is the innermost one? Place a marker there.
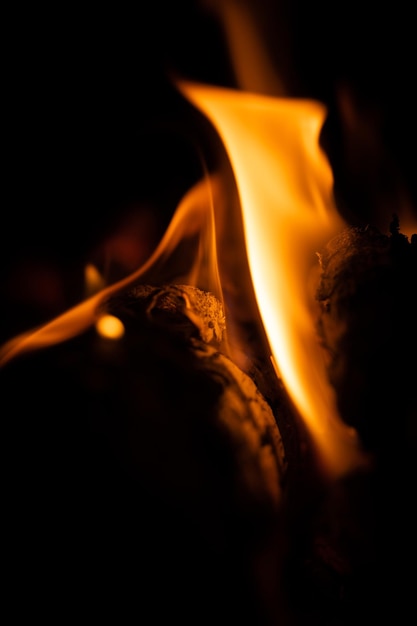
(284, 183)
(185, 254)
(94, 281)
(285, 186)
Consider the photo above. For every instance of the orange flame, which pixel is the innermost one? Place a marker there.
(284, 184)
(190, 234)
(285, 187)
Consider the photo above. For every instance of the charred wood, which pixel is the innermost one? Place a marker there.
(362, 532)
(146, 474)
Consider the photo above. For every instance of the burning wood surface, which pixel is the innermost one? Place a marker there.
(367, 324)
(147, 473)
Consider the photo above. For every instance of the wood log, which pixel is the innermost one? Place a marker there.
(364, 526)
(157, 454)
(147, 473)
(367, 324)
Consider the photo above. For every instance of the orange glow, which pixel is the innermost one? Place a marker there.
(285, 188)
(94, 281)
(284, 184)
(193, 222)
(110, 327)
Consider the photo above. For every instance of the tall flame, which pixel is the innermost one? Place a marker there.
(285, 187)
(284, 184)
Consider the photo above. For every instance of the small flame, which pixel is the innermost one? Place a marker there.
(94, 281)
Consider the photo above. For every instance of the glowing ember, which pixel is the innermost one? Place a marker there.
(192, 222)
(110, 327)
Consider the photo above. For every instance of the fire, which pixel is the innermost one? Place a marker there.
(94, 282)
(285, 187)
(284, 184)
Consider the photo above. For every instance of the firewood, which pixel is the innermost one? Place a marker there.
(159, 461)
(190, 323)
(363, 530)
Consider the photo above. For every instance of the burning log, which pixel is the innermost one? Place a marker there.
(368, 301)
(148, 472)
(364, 527)
(158, 453)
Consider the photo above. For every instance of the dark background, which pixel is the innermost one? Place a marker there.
(94, 137)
